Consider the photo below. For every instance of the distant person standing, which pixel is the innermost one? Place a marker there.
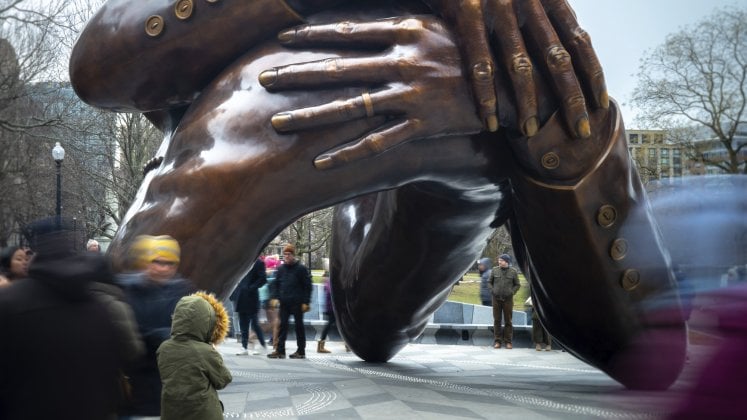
(153, 295)
(61, 352)
(504, 282)
(292, 287)
(483, 267)
(93, 246)
(246, 298)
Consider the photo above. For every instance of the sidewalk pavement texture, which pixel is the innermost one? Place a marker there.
(425, 381)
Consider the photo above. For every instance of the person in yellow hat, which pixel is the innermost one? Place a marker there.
(153, 293)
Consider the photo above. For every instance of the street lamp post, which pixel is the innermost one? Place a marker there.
(58, 154)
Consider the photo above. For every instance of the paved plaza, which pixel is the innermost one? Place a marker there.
(429, 381)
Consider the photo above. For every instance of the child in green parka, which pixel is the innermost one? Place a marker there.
(192, 370)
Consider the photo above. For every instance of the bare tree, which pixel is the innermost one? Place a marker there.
(498, 243)
(697, 78)
(310, 234)
(115, 148)
(105, 151)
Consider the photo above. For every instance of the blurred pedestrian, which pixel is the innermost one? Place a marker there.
(153, 295)
(540, 337)
(271, 312)
(247, 305)
(292, 288)
(483, 267)
(504, 281)
(93, 246)
(14, 263)
(329, 312)
(192, 371)
(61, 352)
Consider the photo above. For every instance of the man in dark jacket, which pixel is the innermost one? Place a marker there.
(153, 295)
(504, 281)
(292, 286)
(246, 303)
(60, 354)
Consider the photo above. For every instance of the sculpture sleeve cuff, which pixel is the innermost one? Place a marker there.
(587, 228)
(555, 157)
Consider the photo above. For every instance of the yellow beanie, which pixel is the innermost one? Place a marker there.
(139, 251)
(164, 247)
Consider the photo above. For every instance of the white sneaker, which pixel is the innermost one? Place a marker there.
(243, 352)
(261, 350)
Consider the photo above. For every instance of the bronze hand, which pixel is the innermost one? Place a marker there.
(416, 67)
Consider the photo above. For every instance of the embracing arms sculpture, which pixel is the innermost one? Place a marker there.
(371, 109)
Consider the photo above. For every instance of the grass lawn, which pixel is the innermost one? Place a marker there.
(467, 291)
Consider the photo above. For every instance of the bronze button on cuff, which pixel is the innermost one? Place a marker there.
(630, 279)
(184, 9)
(154, 25)
(606, 216)
(550, 160)
(619, 249)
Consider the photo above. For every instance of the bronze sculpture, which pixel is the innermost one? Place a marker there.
(378, 116)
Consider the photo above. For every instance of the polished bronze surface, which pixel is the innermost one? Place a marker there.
(381, 118)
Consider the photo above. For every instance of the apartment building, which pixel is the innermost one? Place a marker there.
(654, 157)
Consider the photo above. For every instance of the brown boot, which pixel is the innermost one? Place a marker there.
(320, 347)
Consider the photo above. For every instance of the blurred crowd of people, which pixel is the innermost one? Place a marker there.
(83, 342)
(92, 344)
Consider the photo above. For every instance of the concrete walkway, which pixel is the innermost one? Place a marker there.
(437, 382)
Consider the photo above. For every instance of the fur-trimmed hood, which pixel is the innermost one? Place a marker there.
(201, 317)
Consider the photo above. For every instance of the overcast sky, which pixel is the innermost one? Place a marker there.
(622, 30)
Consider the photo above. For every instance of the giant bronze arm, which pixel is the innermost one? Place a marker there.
(604, 286)
(218, 180)
(159, 55)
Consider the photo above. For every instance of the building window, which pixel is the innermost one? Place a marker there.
(665, 157)
(652, 155)
(677, 158)
(633, 139)
(644, 138)
(658, 138)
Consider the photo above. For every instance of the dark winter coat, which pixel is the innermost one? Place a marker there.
(113, 297)
(246, 295)
(60, 352)
(153, 305)
(504, 282)
(292, 285)
(191, 369)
